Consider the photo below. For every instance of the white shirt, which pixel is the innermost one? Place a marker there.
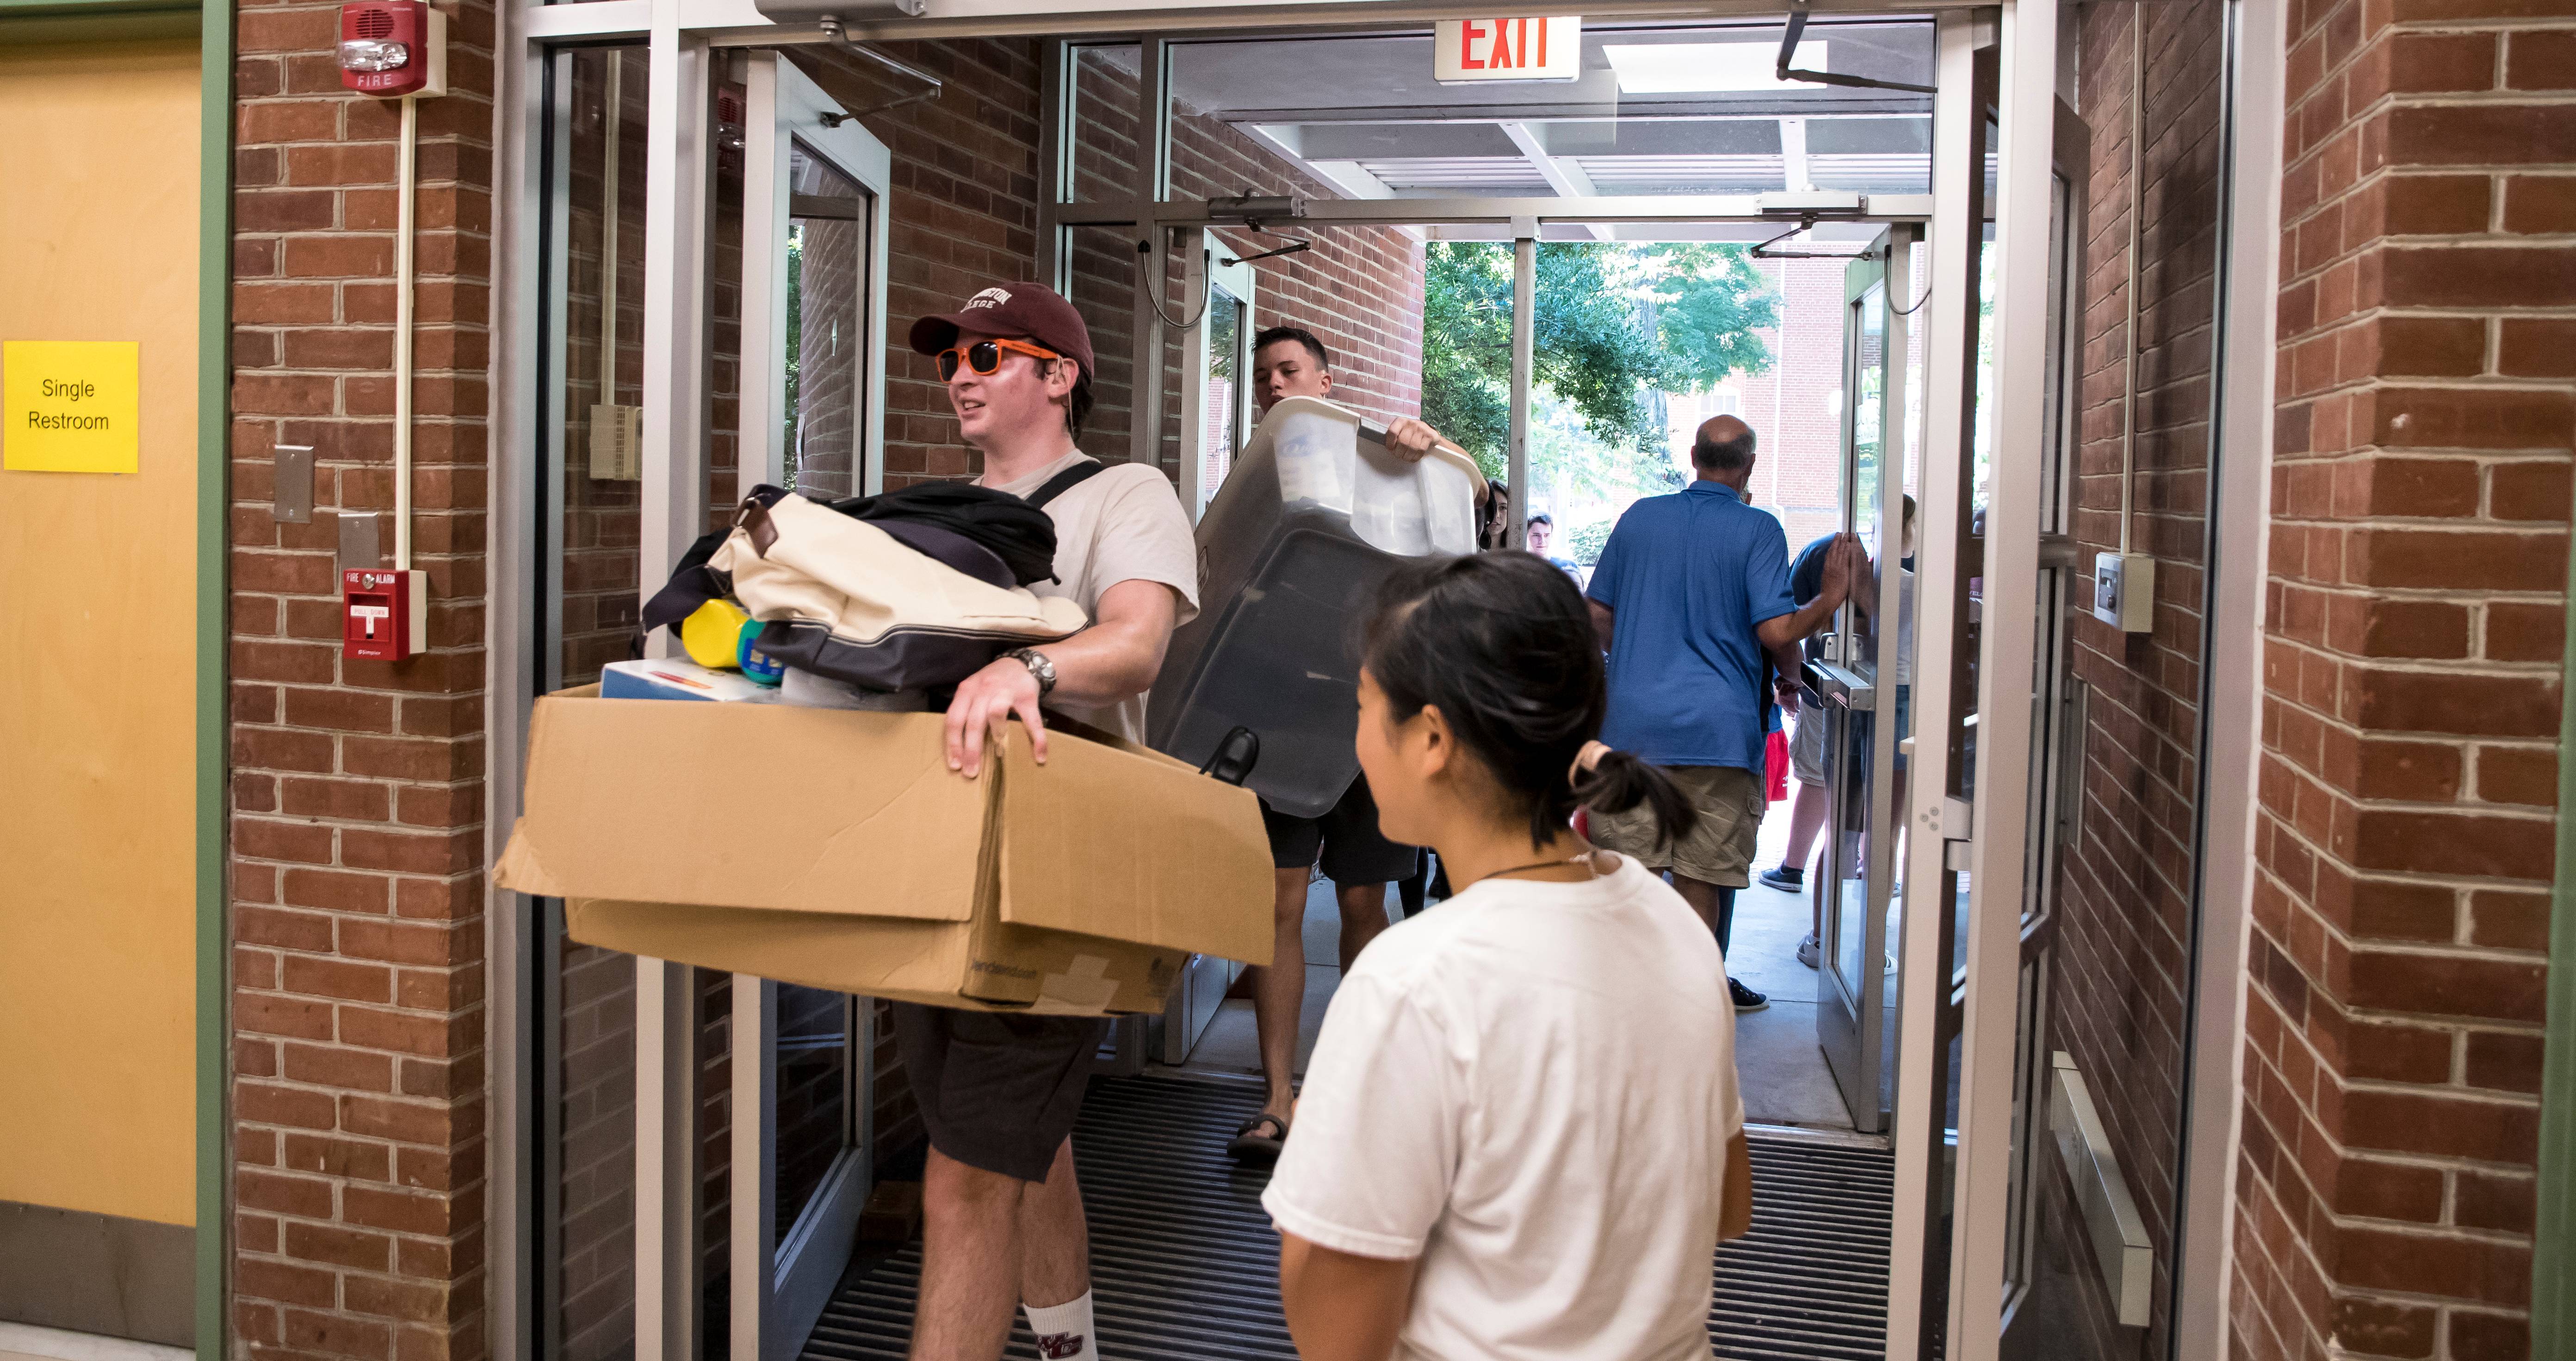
(1123, 523)
(1530, 1088)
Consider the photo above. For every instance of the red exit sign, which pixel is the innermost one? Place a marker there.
(1507, 49)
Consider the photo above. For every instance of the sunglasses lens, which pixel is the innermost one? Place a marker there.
(984, 356)
(947, 365)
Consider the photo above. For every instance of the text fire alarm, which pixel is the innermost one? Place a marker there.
(384, 613)
(390, 48)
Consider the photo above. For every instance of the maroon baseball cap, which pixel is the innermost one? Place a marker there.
(1033, 311)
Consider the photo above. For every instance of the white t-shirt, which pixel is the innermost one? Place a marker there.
(1124, 523)
(1531, 1089)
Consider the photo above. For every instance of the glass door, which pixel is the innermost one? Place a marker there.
(1217, 399)
(1861, 684)
(813, 289)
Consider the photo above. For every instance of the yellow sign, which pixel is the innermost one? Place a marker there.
(74, 406)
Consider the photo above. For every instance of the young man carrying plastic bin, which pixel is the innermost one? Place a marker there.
(1003, 1220)
(1288, 361)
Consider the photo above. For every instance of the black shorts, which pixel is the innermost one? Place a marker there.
(998, 1091)
(1353, 850)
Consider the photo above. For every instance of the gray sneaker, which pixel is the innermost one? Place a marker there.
(1787, 879)
(1807, 950)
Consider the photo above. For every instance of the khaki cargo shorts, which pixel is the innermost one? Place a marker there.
(1719, 850)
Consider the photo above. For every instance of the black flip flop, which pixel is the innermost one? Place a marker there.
(1251, 1147)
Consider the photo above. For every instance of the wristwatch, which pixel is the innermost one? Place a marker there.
(1038, 666)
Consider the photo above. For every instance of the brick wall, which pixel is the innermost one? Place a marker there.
(356, 836)
(1359, 289)
(2123, 895)
(2412, 675)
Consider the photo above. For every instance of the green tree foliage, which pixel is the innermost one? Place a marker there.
(1616, 324)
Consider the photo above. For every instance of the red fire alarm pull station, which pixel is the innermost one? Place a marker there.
(390, 48)
(384, 614)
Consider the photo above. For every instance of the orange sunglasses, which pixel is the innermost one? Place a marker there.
(984, 356)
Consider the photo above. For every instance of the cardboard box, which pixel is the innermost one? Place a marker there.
(836, 849)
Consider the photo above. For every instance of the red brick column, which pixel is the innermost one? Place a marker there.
(358, 797)
(2418, 559)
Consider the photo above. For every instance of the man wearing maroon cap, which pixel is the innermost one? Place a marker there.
(999, 1093)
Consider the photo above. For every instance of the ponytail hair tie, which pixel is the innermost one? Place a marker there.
(1589, 758)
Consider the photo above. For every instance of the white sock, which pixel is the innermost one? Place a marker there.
(1064, 1330)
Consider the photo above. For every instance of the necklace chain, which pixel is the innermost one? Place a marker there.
(1584, 859)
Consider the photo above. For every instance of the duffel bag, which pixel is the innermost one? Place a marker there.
(842, 598)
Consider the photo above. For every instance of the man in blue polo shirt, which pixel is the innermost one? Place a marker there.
(1691, 599)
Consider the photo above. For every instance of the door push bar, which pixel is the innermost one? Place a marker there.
(1842, 685)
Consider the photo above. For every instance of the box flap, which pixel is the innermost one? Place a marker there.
(1133, 846)
(747, 806)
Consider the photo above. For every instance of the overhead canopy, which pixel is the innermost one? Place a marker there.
(1657, 109)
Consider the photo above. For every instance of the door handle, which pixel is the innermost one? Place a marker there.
(1854, 690)
(2059, 552)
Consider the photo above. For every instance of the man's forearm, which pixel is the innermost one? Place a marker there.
(1120, 654)
(1104, 664)
(1786, 661)
(1788, 630)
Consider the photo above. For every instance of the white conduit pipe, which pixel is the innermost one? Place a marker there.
(403, 176)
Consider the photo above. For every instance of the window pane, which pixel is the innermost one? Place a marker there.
(827, 321)
(600, 335)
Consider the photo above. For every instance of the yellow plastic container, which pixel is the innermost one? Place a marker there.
(710, 635)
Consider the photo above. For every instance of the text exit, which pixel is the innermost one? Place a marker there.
(1507, 49)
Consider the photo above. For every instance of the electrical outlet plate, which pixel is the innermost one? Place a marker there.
(2124, 591)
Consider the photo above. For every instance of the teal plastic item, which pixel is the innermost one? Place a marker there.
(757, 666)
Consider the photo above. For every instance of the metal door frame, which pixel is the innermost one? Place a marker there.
(682, 38)
(794, 1267)
(1871, 1020)
(1236, 281)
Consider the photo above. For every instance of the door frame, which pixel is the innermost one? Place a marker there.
(795, 1266)
(685, 39)
(1886, 268)
(1235, 280)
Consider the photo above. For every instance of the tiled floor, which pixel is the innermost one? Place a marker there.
(1776, 1058)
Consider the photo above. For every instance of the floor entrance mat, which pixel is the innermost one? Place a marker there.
(1184, 1263)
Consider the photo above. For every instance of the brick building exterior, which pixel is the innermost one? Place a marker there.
(2412, 672)
(358, 896)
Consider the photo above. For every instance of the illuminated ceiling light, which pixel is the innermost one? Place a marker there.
(1707, 68)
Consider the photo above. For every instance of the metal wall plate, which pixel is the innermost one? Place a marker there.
(361, 545)
(291, 484)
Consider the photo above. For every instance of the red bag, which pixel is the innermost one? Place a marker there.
(1775, 762)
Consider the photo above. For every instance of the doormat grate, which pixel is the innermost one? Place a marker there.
(1184, 1263)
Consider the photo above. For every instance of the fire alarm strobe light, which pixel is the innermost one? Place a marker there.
(390, 48)
(385, 613)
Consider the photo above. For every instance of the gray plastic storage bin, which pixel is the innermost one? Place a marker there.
(1315, 514)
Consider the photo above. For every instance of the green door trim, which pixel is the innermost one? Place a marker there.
(214, 737)
(2553, 1258)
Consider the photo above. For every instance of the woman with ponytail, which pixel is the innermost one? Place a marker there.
(1520, 1135)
